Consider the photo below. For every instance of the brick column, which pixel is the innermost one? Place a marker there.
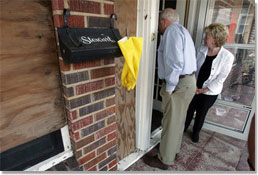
(89, 91)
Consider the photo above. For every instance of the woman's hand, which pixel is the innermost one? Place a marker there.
(201, 91)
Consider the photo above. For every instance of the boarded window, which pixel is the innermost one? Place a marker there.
(31, 100)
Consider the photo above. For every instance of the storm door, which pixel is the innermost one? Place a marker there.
(234, 108)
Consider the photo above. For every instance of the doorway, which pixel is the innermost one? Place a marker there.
(235, 106)
(148, 101)
(157, 111)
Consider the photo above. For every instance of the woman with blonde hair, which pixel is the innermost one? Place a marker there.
(214, 63)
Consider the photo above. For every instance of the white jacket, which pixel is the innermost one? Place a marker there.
(221, 67)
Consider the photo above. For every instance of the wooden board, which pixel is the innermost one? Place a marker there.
(125, 100)
(31, 104)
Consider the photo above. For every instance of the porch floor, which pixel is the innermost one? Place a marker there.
(214, 152)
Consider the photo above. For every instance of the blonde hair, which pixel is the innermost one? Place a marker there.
(219, 32)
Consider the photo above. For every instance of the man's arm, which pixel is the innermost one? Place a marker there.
(174, 61)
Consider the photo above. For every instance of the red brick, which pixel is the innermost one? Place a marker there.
(110, 81)
(84, 88)
(103, 94)
(95, 161)
(73, 21)
(102, 72)
(87, 64)
(112, 136)
(109, 61)
(78, 154)
(111, 164)
(114, 168)
(75, 136)
(84, 6)
(58, 21)
(108, 9)
(91, 108)
(94, 145)
(83, 142)
(81, 123)
(106, 147)
(105, 131)
(110, 102)
(105, 113)
(64, 66)
(71, 115)
(111, 119)
(76, 21)
(93, 169)
(92, 128)
(57, 4)
(87, 158)
(68, 92)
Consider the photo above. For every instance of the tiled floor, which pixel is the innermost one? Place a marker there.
(214, 152)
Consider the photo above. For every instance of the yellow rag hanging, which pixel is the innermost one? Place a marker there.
(131, 49)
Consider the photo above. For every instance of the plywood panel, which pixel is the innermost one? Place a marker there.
(31, 103)
(126, 11)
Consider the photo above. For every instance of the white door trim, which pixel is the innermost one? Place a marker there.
(180, 9)
(147, 27)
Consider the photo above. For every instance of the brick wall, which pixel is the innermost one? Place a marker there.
(89, 90)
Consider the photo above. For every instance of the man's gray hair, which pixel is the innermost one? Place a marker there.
(169, 14)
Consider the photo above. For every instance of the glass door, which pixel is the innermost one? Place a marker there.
(234, 108)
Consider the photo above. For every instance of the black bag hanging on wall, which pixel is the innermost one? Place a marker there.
(83, 44)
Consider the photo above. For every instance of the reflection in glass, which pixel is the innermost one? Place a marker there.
(240, 84)
(238, 15)
(228, 117)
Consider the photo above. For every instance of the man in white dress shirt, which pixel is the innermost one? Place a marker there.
(176, 67)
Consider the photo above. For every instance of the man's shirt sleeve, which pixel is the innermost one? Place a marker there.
(173, 58)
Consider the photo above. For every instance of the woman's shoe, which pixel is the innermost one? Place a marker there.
(250, 165)
(195, 137)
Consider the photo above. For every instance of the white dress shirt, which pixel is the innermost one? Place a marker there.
(176, 55)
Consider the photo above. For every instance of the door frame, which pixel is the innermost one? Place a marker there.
(144, 88)
(147, 27)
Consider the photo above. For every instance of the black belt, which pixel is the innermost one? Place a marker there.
(183, 76)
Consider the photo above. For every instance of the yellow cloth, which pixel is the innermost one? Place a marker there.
(131, 49)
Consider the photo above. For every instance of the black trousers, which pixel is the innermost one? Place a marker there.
(201, 104)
